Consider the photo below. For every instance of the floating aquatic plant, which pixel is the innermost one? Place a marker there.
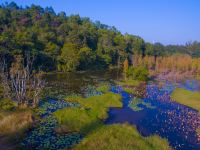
(138, 104)
(44, 136)
(90, 91)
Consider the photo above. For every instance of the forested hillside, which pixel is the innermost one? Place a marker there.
(68, 43)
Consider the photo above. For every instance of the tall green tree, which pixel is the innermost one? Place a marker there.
(69, 58)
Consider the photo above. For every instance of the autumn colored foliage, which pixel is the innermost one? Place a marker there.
(174, 63)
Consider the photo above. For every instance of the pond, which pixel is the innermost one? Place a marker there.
(60, 85)
(157, 114)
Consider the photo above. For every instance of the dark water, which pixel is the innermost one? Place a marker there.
(170, 120)
(62, 84)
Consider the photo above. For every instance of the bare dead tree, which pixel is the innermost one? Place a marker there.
(24, 84)
(4, 79)
(36, 86)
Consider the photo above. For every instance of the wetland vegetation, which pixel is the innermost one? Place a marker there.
(70, 83)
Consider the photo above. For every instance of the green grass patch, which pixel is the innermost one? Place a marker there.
(134, 104)
(89, 116)
(188, 98)
(76, 120)
(100, 103)
(120, 137)
(103, 88)
(129, 90)
(129, 82)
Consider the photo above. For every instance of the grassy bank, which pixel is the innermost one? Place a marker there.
(188, 98)
(122, 137)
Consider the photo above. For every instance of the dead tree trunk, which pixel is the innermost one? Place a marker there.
(22, 82)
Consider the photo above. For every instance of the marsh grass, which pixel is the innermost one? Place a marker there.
(120, 137)
(99, 104)
(13, 126)
(89, 115)
(129, 82)
(188, 98)
(129, 90)
(14, 122)
(103, 88)
(76, 120)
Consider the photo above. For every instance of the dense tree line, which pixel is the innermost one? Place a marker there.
(67, 43)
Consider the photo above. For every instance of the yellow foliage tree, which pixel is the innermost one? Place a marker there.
(125, 68)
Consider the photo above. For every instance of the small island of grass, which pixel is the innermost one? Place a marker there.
(188, 98)
(89, 115)
(136, 102)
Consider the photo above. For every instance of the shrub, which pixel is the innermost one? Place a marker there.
(138, 73)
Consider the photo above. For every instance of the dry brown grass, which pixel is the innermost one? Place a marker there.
(16, 122)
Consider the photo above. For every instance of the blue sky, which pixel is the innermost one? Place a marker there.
(165, 21)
